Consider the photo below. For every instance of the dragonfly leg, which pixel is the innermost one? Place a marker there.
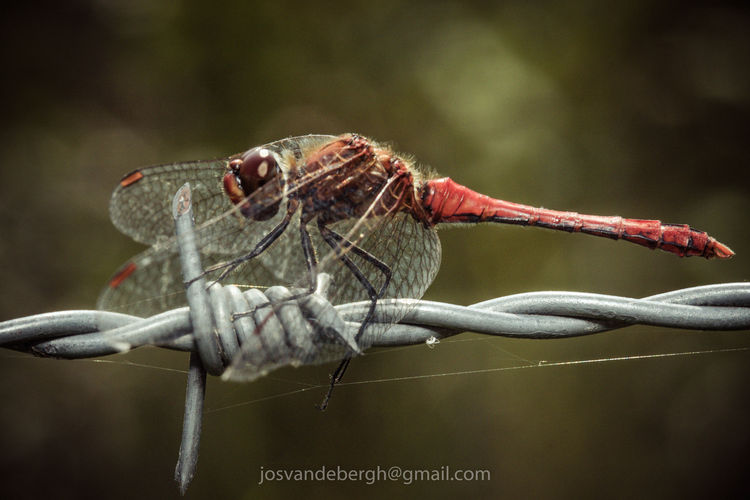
(340, 244)
(310, 259)
(262, 245)
(335, 379)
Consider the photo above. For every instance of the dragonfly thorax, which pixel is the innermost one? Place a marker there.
(351, 178)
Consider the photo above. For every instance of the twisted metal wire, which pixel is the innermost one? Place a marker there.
(537, 315)
(217, 330)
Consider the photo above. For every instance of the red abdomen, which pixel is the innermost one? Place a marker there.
(446, 201)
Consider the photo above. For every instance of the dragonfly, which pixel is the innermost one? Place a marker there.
(346, 205)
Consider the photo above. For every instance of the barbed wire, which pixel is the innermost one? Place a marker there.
(224, 339)
(536, 315)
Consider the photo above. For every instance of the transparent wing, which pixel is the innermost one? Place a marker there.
(141, 204)
(147, 284)
(409, 249)
(152, 282)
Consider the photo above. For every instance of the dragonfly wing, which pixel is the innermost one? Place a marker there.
(152, 282)
(141, 204)
(409, 249)
(147, 284)
(141, 208)
(298, 146)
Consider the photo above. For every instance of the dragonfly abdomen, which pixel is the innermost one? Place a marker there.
(446, 201)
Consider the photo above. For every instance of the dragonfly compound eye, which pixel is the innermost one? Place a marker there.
(257, 168)
(253, 182)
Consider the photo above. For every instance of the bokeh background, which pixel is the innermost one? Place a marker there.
(636, 108)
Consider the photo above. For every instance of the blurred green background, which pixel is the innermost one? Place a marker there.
(635, 108)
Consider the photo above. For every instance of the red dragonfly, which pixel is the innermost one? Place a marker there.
(346, 205)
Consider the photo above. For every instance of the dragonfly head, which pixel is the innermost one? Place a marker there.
(253, 182)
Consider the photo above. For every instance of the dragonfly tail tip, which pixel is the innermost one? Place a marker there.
(721, 251)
